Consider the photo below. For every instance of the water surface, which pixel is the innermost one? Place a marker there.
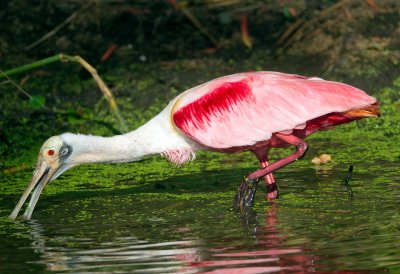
(149, 217)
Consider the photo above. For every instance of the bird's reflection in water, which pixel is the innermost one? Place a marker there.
(124, 253)
(263, 251)
(266, 255)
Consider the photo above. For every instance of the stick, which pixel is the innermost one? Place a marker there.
(46, 61)
(15, 84)
(347, 181)
(299, 29)
(189, 15)
(65, 58)
(102, 85)
(60, 26)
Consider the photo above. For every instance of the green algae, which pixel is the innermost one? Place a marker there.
(154, 214)
(154, 201)
(359, 143)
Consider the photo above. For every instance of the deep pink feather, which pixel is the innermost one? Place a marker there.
(243, 110)
(213, 104)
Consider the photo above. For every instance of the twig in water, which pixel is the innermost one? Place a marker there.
(347, 181)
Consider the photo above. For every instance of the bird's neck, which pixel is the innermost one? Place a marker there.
(155, 137)
(96, 149)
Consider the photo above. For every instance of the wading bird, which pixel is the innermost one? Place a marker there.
(251, 111)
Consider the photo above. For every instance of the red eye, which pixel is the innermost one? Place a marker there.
(50, 152)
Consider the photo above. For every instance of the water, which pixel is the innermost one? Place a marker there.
(185, 223)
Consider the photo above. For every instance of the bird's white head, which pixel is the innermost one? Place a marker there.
(54, 159)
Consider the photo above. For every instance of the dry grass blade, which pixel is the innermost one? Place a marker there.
(189, 15)
(62, 57)
(301, 28)
(60, 26)
(9, 80)
(102, 85)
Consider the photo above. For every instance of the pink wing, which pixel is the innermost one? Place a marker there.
(246, 108)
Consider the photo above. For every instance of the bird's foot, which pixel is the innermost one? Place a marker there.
(272, 192)
(244, 197)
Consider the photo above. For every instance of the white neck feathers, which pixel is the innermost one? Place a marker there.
(158, 136)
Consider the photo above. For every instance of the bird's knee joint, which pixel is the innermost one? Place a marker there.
(302, 147)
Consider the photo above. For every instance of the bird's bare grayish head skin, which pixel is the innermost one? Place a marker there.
(51, 163)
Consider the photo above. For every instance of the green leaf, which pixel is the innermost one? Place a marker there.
(37, 101)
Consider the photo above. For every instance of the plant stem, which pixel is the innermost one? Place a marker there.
(65, 58)
(31, 66)
(102, 85)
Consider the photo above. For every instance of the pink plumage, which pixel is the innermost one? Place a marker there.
(255, 111)
(238, 111)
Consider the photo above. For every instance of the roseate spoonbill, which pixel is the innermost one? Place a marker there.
(251, 111)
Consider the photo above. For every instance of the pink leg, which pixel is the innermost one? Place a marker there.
(301, 147)
(271, 187)
(245, 195)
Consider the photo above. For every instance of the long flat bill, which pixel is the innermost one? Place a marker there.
(41, 176)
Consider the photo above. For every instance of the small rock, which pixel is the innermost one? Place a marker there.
(321, 159)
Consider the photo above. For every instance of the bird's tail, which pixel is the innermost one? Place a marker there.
(368, 111)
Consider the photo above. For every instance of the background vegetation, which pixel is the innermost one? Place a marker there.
(99, 217)
(149, 51)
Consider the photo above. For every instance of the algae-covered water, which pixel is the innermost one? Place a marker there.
(151, 217)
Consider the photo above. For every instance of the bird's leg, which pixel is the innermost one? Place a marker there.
(247, 189)
(272, 190)
(245, 196)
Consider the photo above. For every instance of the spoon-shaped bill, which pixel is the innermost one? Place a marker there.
(41, 176)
